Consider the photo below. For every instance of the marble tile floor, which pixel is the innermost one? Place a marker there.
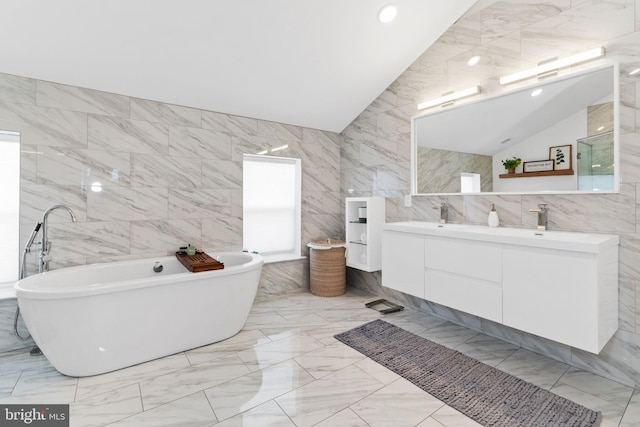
(286, 369)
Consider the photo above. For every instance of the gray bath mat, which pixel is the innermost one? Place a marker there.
(486, 394)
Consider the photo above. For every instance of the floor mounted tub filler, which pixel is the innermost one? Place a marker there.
(97, 318)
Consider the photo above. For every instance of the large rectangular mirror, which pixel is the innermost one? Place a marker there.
(566, 135)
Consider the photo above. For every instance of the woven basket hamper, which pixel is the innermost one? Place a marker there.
(328, 267)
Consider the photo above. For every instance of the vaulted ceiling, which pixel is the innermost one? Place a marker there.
(311, 63)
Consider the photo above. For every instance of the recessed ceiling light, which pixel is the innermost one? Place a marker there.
(634, 72)
(387, 13)
(473, 61)
(536, 92)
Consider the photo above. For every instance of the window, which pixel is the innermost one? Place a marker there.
(10, 206)
(271, 206)
(469, 182)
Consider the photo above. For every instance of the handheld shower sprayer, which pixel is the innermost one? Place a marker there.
(27, 249)
(23, 273)
(34, 233)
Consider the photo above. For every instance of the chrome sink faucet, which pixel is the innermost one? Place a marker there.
(543, 212)
(45, 245)
(444, 212)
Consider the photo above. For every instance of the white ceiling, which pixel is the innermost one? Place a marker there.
(313, 63)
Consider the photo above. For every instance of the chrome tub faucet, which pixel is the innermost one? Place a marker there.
(45, 245)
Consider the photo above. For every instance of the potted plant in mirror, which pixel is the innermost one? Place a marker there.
(511, 164)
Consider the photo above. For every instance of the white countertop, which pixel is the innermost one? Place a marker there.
(561, 240)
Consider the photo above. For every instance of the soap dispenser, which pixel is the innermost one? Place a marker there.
(493, 217)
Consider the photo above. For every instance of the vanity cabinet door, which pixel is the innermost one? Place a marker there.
(560, 295)
(481, 260)
(403, 262)
(465, 275)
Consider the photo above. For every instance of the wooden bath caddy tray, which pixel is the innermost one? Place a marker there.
(199, 262)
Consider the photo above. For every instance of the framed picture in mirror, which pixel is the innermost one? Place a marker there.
(538, 166)
(561, 156)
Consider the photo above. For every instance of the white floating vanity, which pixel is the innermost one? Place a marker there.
(558, 285)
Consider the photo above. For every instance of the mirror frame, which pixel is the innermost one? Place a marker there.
(526, 87)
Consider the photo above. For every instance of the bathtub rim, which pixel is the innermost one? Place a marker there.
(53, 292)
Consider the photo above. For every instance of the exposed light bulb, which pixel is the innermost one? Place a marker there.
(634, 72)
(387, 13)
(536, 92)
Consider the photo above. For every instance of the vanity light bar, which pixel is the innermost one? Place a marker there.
(553, 65)
(450, 97)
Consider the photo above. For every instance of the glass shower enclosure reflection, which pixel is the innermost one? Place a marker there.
(595, 162)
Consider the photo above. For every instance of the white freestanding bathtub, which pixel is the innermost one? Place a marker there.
(97, 318)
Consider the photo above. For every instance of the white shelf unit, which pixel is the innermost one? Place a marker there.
(364, 254)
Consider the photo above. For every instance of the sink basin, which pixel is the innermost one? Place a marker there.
(563, 240)
(524, 232)
(425, 225)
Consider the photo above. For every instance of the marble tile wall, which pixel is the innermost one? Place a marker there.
(511, 35)
(169, 175)
(450, 164)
